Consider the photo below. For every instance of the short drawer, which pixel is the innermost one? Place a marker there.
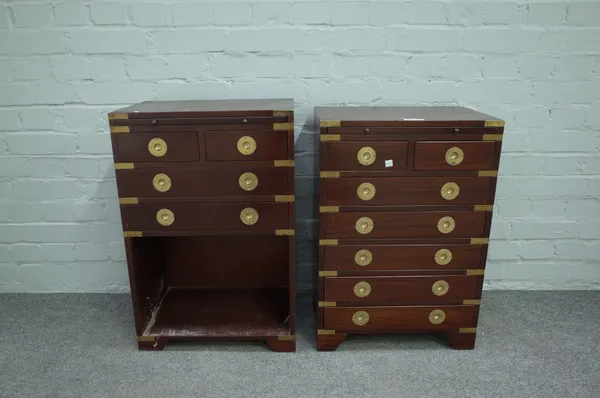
(401, 288)
(205, 182)
(406, 191)
(438, 224)
(253, 217)
(156, 147)
(362, 156)
(370, 257)
(397, 319)
(246, 145)
(454, 155)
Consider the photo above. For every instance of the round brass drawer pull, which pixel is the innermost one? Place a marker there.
(360, 318)
(364, 225)
(443, 257)
(161, 182)
(450, 190)
(440, 288)
(446, 224)
(248, 181)
(157, 147)
(249, 216)
(363, 257)
(437, 316)
(366, 155)
(362, 289)
(366, 191)
(165, 217)
(246, 145)
(454, 156)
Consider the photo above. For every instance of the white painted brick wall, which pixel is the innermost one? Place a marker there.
(65, 63)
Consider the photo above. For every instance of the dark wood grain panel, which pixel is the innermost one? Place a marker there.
(401, 257)
(222, 145)
(406, 191)
(402, 288)
(206, 182)
(403, 225)
(181, 147)
(342, 156)
(431, 155)
(161, 120)
(397, 319)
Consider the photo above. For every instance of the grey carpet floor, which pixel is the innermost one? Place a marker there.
(544, 344)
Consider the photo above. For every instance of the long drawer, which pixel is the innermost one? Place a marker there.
(373, 257)
(401, 288)
(396, 318)
(406, 191)
(213, 182)
(437, 224)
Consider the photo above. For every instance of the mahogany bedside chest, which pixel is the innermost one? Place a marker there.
(206, 191)
(406, 196)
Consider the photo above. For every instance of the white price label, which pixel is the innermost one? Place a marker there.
(389, 163)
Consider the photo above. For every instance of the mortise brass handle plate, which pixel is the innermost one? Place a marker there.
(165, 217)
(157, 147)
(443, 257)
(360, 318)
(363, 257)
(437, 316)
(440, 288)
(246, 145)
(364, 225)
(446, 224)
(362, 289)
(248, 181)
(249, 216)
(454, 156)
(366, 155)
(450, 190)
(161, 182)
(366, 191)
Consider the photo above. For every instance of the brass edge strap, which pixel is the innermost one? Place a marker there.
(132, 234)
(327, 273)
(328, 242)
(494, 123)
(330, 174)
(285, 232)
(471, 302)
(330, 137)
(146, 338)
(467, 330)
(492, 137)
(488, 173)
(475, 272)
(327, 304)
(330, 123)
(283, 163)
(480, 241)
(283, 126)
(118, 116)
(484, 207)
(283, 113)
(287, 338)
(285, 198)
(325, 331)
(119, 129)
(129, 201)
(329, 209)
(124, 166)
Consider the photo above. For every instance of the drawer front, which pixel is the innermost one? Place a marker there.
(246, 145)
(450, 224)
(208, 182)
(406, 191)
(454, 155)
(401, 288)
(395, 318)
(402, 257)
(365, 156)
(255, 217)
(156, 147)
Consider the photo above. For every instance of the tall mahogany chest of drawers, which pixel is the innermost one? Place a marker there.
(406, 197)
(206, 191)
